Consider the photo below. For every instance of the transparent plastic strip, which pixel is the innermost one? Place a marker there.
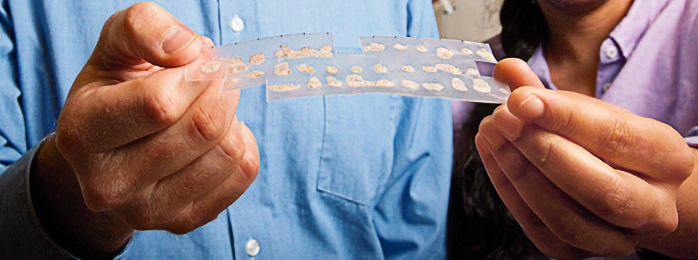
(303, 65)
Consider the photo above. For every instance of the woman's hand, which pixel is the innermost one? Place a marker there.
(582, 177)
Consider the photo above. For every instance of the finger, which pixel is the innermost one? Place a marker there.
(205, 209)
(251, 161)
(145, 32)
(616, 196)
(563, 216)
(619, 137)
(100, 118)
(201, 176)
(531, 224)
(516, 73)
(141, 163)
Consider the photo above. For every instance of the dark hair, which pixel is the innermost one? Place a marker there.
(480, 225)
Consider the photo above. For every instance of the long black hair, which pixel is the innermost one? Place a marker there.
(480, 225)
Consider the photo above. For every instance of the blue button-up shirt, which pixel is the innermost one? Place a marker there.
(341, 177)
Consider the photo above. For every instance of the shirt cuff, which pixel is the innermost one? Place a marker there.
(21, 234)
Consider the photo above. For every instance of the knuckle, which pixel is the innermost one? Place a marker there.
(208, 124)
(189, 221)
(133, 16)
(617, 138)
(617, 203)
(233, 146)
(160, 108)
(547, 156)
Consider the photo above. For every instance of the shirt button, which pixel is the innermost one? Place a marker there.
(252, 247)
(237, 24)
(612, 52)
(606, 87)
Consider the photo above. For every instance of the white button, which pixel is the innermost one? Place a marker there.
(237, 24)
(252, 247)
(612, 52)
(606, 87)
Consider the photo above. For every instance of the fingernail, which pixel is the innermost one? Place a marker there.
(531, 108)
(507, 123)
(176, 39)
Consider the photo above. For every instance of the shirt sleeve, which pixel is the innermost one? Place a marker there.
(410, 214)
(21, 235)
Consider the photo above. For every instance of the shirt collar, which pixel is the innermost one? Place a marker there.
(631, 29)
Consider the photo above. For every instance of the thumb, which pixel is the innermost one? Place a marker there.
(145, 32)
(516, 73)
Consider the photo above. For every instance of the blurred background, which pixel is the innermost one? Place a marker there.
(472, 20)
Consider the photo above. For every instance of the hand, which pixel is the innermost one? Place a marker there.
(147, 147)
(581, 176)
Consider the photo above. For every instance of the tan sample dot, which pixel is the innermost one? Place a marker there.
(407, 68)
(458, 84)
(421, 48)
(235, 60)
(380, 69)
(326, 52)
(428, 68)
(410, 84)
(297, 55)
(211, 67)
(466, 51)
(283, 88)
(485, 54)
(444, 53)
(355, 81)
(382, 83)
(400, 47)
(449, 68)
(356, 69)
(257, 58)
(374, 47)
(235, 68)
(331, 70)
(433, 86)
(480, 85)
(314, 82)
(472, 72)
(306, 49)
(281, 69)
(334, 82)
(255, 74)
(305, 68)
(283, 51)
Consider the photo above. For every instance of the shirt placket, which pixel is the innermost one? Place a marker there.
(612, 60)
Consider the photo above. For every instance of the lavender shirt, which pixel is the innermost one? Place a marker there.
(649, 66)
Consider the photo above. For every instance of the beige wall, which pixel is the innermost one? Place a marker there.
(472, 20)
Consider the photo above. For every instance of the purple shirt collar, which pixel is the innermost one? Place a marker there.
(625, 36)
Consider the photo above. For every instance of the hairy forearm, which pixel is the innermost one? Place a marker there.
(60, 208)
(682, 242)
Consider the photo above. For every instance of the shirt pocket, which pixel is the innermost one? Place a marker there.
(357, 152)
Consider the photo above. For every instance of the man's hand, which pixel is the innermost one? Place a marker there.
(148, 149)
(582, 177)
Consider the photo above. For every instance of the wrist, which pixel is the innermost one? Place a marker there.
(60, 208)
